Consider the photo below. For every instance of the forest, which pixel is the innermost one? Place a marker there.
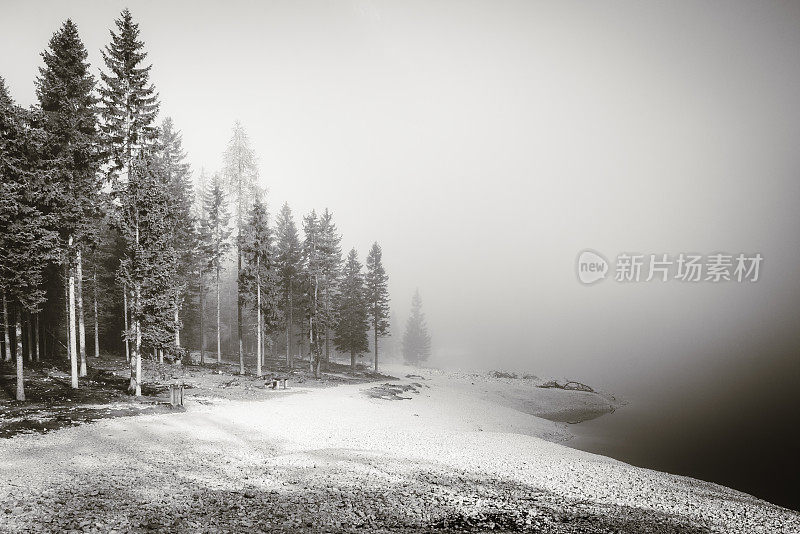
(109, 242)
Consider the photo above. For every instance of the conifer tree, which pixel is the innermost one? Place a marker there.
(129, 101)
(377, 295)
(259, 277)
(288, 260)
(416, 340)
(183, 229)
(330, 253)
(241, 172)
(149, 259)
(65, 92)
(27, 237)
(350, 332)
(216, 234)
(312, 275)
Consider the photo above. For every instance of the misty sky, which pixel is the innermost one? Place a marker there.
(484, 144)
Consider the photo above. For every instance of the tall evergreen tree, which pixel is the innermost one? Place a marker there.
(129, 101)
(312, 276)
(65, 91)
(183, 228)
(288, 262)
(350, 304)
(260, 277)
(241, 171)
(216, 233)
(377, 295)
(27, 237)
(330, 253)
(416, 340)
(148, 263)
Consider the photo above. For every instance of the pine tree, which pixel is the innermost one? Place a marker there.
(183, 229)
(216, 235)
(129, 101)
(377, 295)
(331, 263)
(312, 275)
(260, 277)
(241, 171)
(350, 332)
(288, 260)
(27, 236)
(65, 91)
(416, 340)
(149, 261)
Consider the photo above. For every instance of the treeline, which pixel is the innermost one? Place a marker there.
(103, 229)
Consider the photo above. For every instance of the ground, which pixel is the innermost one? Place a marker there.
(428, 452)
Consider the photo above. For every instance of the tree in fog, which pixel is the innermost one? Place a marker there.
(65, 92)
(288, 264)
(416, 340)
(260, 280)
(241, 172)
(377, 296)
(312, 274)
(183, 229)
(216, 232)
(350, 304)
(330, 255)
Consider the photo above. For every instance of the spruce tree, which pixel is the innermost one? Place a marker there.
(129, 101)
(416, 340)
(183, 228)
(312, 276)
(288, 260)
(65, 92)
(330, 267)
(27, 235)
(377, 295)
(241, 172)
(259, 276)
(216, 233)
(350, 332)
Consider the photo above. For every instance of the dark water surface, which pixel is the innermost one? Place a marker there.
(749, 443)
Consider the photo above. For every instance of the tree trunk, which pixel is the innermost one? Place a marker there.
(219, 321)
(177, 319)
(125, 308)
(258, 317)
(20, 374)
(96, 322)
(135, 386)
(376, 346)
(73, 349)
(202, 320)
(160, 355)
(6, 337)
(66, 306)
(37, 337)
(29, 332)
(289, 330)
(81, 323)
(239, 307)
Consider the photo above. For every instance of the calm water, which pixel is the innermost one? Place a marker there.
(750, 443)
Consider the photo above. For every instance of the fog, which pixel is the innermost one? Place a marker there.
(484, 144)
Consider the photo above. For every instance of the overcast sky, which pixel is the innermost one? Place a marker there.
(484, 144)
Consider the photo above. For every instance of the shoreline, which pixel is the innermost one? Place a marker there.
(443, 459)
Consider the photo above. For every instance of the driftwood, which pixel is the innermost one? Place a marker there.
(570, 385)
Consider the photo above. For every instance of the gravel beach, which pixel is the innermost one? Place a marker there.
(442, 458)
